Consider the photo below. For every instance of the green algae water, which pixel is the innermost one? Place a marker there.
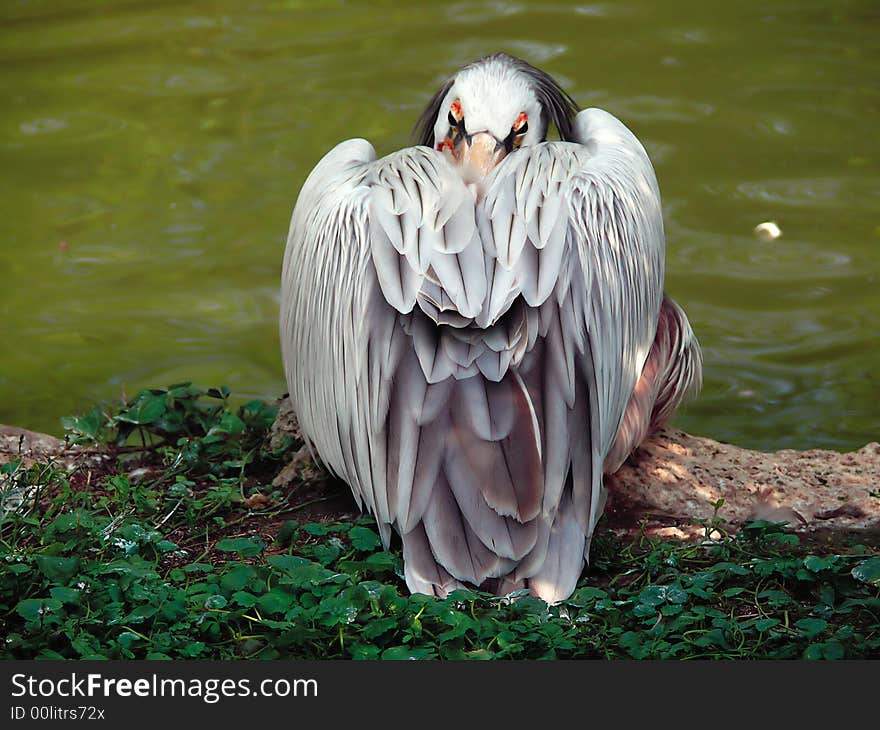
(151, 153)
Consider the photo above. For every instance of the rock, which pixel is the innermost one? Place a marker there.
(674, 478)
(285, 428)
(30, 446)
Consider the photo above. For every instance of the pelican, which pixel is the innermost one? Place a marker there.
(474, 329)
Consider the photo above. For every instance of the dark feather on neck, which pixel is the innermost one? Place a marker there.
(423, 132)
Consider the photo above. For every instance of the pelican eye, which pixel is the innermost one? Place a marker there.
(456, 122)
(517, 132)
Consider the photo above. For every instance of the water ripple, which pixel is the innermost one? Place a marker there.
(57, 129)
(658, 108)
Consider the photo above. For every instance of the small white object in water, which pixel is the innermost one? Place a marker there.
(768, 231)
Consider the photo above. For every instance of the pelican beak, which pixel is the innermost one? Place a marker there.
(481, 154)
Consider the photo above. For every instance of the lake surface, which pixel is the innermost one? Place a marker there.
(151, 153)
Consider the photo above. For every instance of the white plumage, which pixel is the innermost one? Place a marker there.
(474, 329)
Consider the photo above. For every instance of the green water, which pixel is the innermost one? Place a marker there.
(151, 152)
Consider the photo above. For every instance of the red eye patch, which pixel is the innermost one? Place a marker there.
(520, 120)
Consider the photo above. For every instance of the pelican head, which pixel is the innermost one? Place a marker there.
(489, 109)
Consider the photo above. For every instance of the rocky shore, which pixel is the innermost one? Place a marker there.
(671, 481)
